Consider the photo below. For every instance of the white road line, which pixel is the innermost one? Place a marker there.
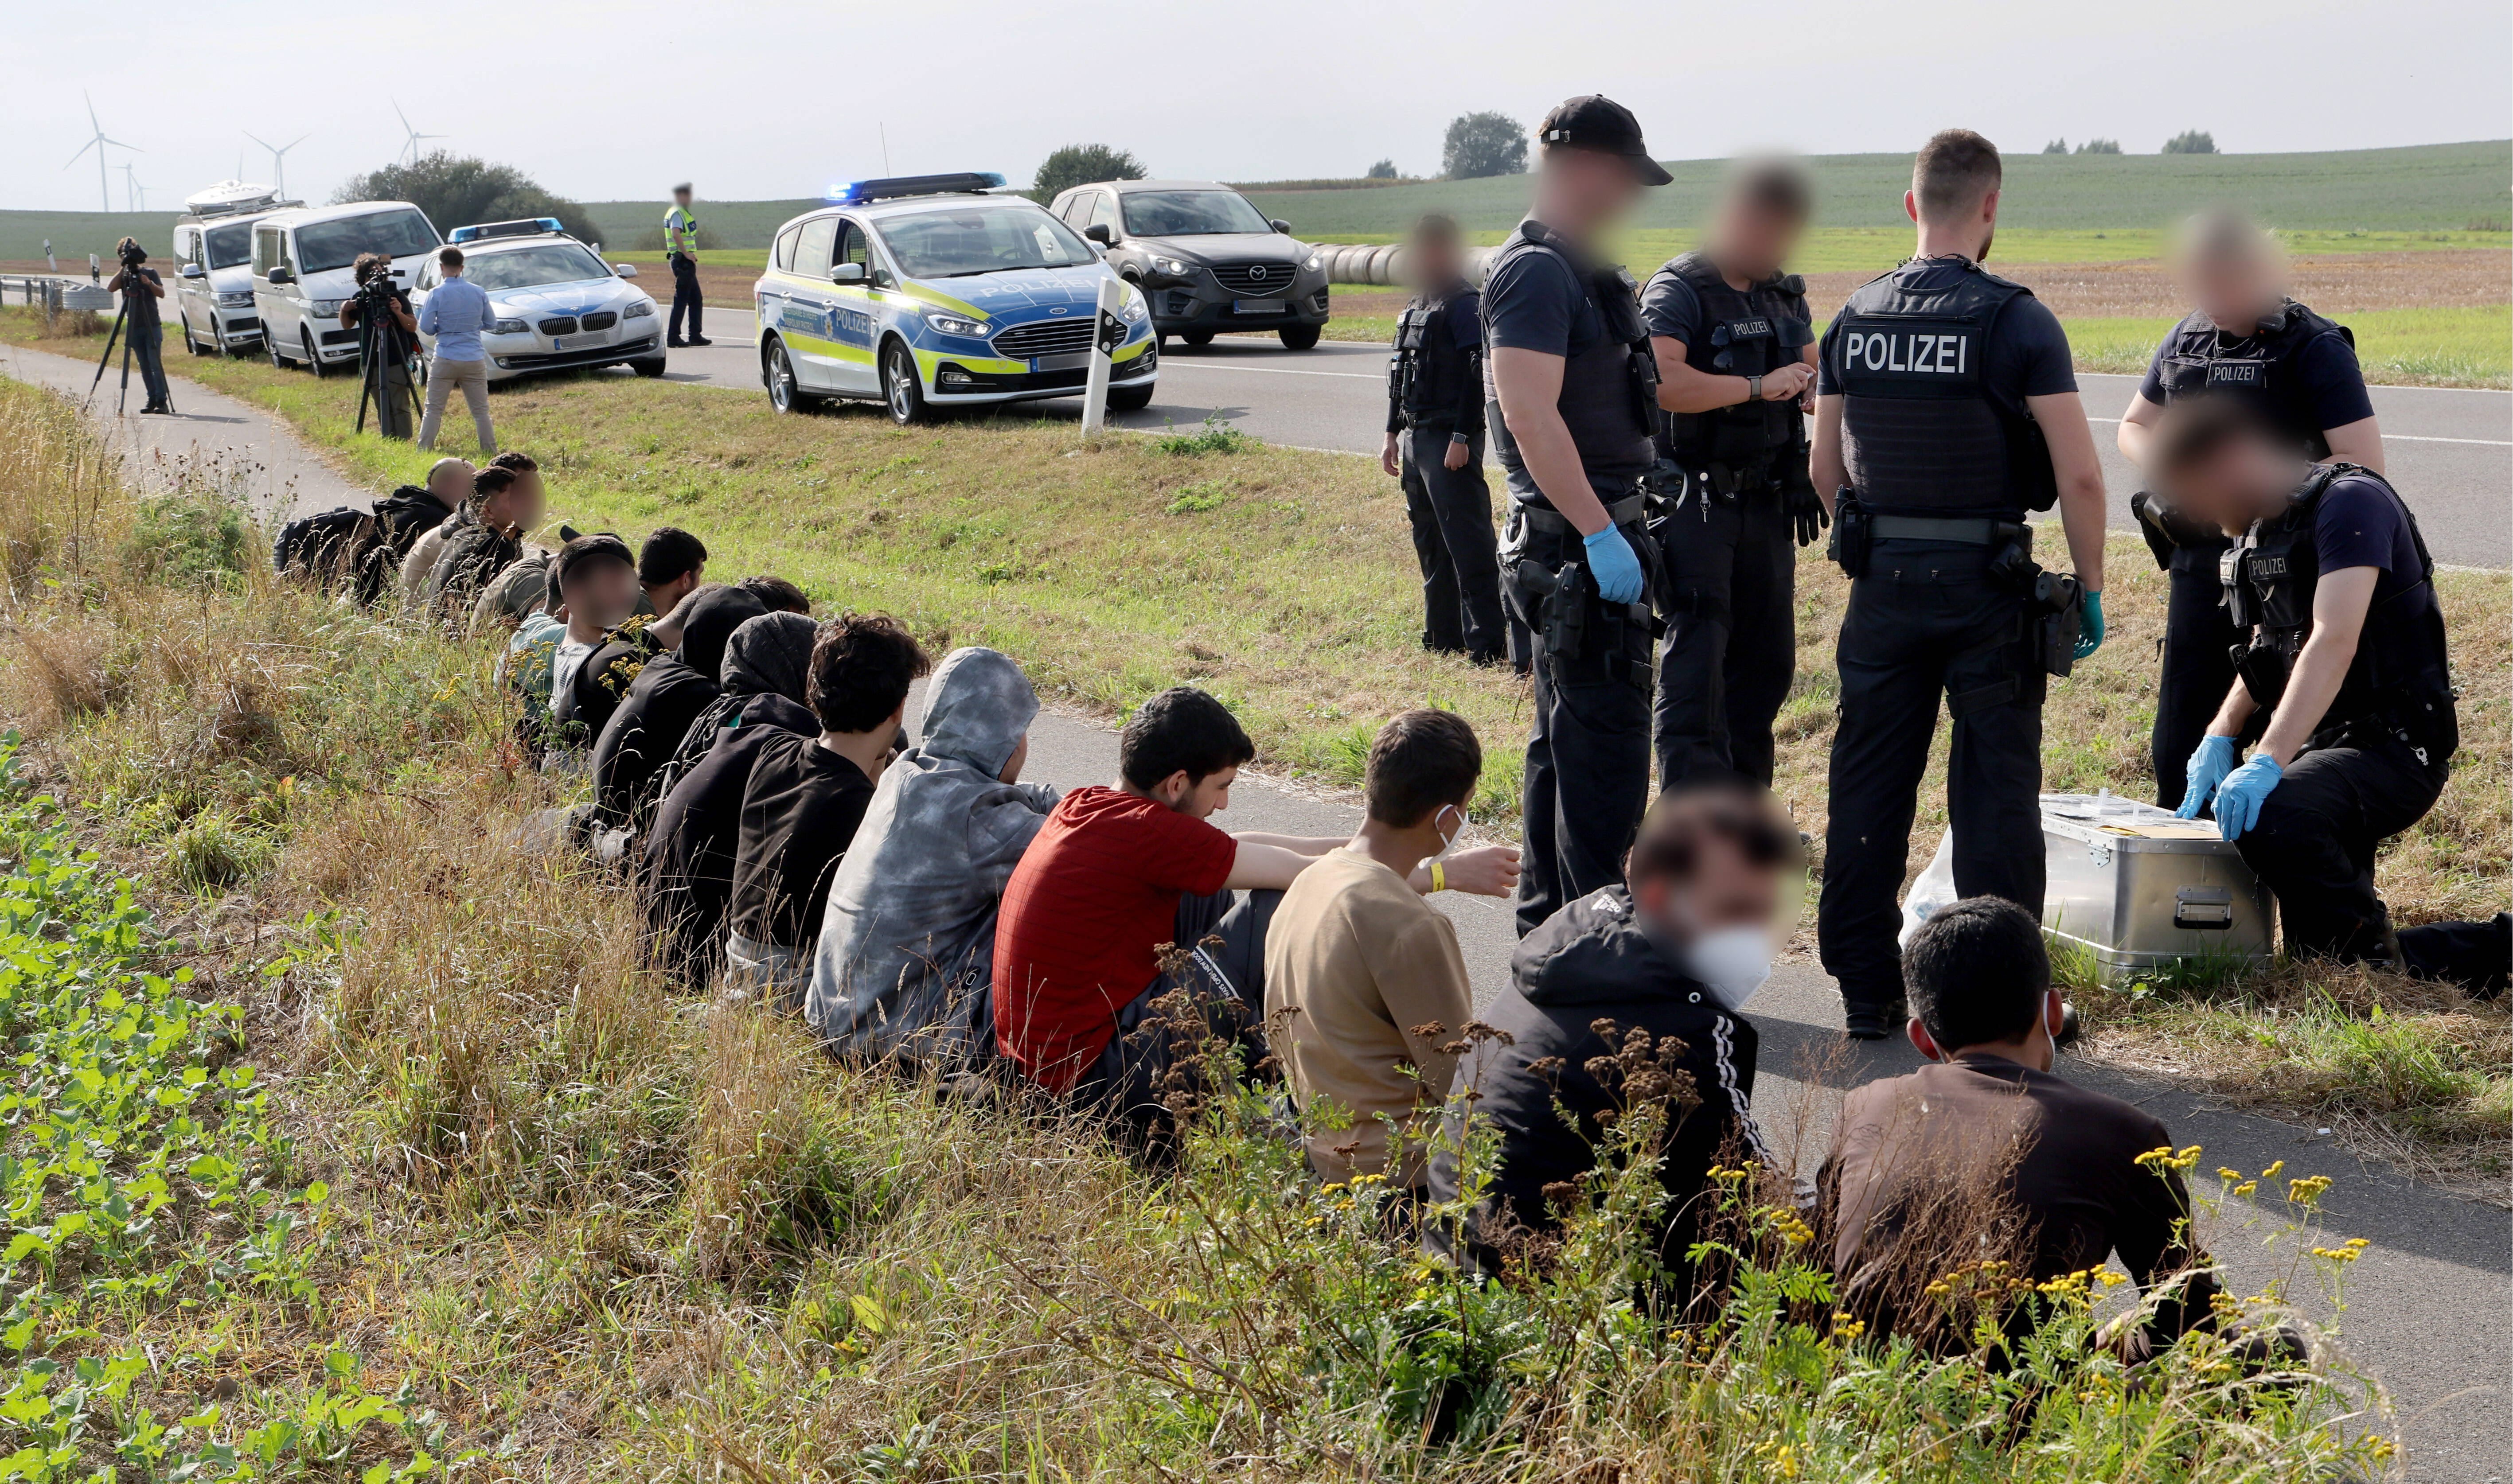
(2483, 443)
(1169, 363)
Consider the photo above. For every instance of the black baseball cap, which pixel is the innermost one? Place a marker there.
(1594, 121)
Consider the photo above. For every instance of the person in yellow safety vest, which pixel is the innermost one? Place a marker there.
(681, 251)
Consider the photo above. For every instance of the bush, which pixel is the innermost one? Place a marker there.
(2193, 141)
(1480, 144)
(1385, 170)
(1082, 165)
(459, 190)
(191, 539)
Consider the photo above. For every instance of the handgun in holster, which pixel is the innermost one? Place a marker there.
(1562, 613)
(2055, 600)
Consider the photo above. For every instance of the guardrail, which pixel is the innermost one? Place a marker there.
(56, 296)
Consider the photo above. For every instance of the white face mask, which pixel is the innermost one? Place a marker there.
(1449, 839)
(1731, 962)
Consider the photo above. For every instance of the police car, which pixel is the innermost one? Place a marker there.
(931, 292)
(558, 306)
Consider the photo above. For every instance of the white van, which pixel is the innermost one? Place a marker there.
(212, 273)
(302, 270)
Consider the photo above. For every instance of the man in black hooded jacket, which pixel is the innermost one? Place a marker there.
(1630, 995)
(661, 702)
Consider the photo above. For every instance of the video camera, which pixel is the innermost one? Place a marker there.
(132, 254)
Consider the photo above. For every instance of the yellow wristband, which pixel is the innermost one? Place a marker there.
(1439, 878)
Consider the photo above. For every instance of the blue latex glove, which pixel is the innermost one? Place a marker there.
(2090, 623)
(2244, 791)
(1615, 565)
(2208, 766)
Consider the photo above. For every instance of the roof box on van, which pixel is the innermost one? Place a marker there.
(228, 198)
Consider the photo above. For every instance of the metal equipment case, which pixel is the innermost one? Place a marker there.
(2138, 889)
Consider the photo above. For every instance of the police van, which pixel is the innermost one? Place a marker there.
(213, 266)
(305, 269)
(929, 292)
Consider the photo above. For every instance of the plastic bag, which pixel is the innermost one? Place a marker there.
(1934, 888)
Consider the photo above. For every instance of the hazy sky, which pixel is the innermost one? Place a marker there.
(610, 98)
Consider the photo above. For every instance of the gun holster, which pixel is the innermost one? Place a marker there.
(1851, 534)
(1560, 616)
(2059, 619)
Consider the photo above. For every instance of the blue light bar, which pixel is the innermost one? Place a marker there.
(857, 192)
(521, 226)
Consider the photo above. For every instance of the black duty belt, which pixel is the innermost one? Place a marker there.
(1957, 529)
(1544, 519)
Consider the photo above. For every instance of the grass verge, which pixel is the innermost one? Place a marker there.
(1281, 580)
(545, 1217)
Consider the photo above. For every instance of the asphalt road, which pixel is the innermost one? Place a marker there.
(2449, 451)
(2426, 1306)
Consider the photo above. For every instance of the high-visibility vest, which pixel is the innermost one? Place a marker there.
(680, 231)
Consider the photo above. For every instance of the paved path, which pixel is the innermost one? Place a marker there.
(2452, 451)
(2427, 1305)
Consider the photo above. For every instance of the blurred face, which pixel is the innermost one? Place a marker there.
(2240, 482)
(1590, 187)
(1754, 239)
(448, 482)
(1434, 262)
(600, 594)
(1725, 889)
(2233, 290)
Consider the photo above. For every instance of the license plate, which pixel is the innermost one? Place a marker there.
(1073, 360)
(1258, 306)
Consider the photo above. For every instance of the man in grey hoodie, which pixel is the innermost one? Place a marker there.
(906, 948)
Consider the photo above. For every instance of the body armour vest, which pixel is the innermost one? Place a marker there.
(2262, 371)
(1744, 333)
(1432, 360)
(1921, 431)
(2399, 684)
(1609, 398)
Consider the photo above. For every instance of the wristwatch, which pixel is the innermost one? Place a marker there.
(1754, 388)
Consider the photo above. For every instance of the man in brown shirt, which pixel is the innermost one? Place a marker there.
(1364, 981)
(1986, 1155)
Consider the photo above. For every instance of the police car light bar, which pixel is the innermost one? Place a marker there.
(857, 192)
(523, 226)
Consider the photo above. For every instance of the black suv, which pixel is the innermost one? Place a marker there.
(1208, 261)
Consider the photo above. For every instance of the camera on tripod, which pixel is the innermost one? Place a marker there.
(133, 255)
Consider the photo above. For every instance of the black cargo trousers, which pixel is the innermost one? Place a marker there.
(2197, 665)
(1450, 511)
(1588, 750)
(2313, 846)
(1730, 591)
(1928, 620)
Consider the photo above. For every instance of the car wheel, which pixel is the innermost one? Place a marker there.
(191, 341)
(313, 357)
(271, 348)
(651, 365)
(1196, 337)
(901, 391)
(1128, 399)
(784, 393)
(1299, 336)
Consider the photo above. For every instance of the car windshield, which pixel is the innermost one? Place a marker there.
(322, 246)
(547, 262)
(230, 246)
(981, 239)
(1189, 214)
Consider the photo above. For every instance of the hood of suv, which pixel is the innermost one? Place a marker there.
(1226, 246)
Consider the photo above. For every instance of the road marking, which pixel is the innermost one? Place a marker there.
(1271, 370)
(2483, 443)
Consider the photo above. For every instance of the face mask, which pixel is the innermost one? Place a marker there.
(1449, 840)
(1731, 962)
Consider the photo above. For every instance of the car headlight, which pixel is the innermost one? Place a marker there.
(642, 310)
(957, 325)
(234, 299)
(1132, 310)
(324, 308)
(507, 327)
(1173, 267)
(1316, 261)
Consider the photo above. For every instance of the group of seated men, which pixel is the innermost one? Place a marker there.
(921, 906)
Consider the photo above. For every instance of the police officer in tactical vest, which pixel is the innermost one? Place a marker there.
(1734, 346)
(1946, 410)
(2343, 651)
(1435, 446)
(1568, 367)
(2247, 340)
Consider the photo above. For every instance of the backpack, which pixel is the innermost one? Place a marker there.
(325, 549)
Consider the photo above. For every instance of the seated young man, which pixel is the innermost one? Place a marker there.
(449, 485)
(670, 566)
(506, 502)
(1668, 961)
(1118, 872)
(1364, 985)
(2346, 652)
(805, 798)
(1986, 1155)
(667, 693)
(906, 952)
(596, 582)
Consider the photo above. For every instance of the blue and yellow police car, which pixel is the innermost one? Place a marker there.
(933, 292)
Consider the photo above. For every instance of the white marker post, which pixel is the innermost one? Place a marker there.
(1107, 334)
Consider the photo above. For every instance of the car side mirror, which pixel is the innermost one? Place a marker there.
(1280, 225)
(624, 270)
(195, 270)
(279, 276)
(1098, 232)
(846, 273)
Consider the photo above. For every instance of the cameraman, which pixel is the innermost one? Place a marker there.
(390, 344)
(140, 289)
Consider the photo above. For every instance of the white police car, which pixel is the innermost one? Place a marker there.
(929, 291)
(558, 306)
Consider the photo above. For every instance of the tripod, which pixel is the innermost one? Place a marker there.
(121, 404)
(376, 336)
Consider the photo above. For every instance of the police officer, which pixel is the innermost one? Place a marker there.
(1736, 360)
(681, 251)
(1435, 444)
(2333, 586)
(1946, 407)
(2248, 340)
(1566, 364)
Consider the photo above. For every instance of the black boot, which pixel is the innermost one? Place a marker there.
(1874, 1021)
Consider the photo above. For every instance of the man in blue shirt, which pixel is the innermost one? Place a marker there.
(456, 314)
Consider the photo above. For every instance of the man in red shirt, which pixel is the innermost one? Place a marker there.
(1117, 874)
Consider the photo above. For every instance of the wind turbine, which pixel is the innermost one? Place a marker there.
(135, 195)
(278, 159)
(410, 145)
(104, 183)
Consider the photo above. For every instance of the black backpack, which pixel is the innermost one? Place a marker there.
(325, 549)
